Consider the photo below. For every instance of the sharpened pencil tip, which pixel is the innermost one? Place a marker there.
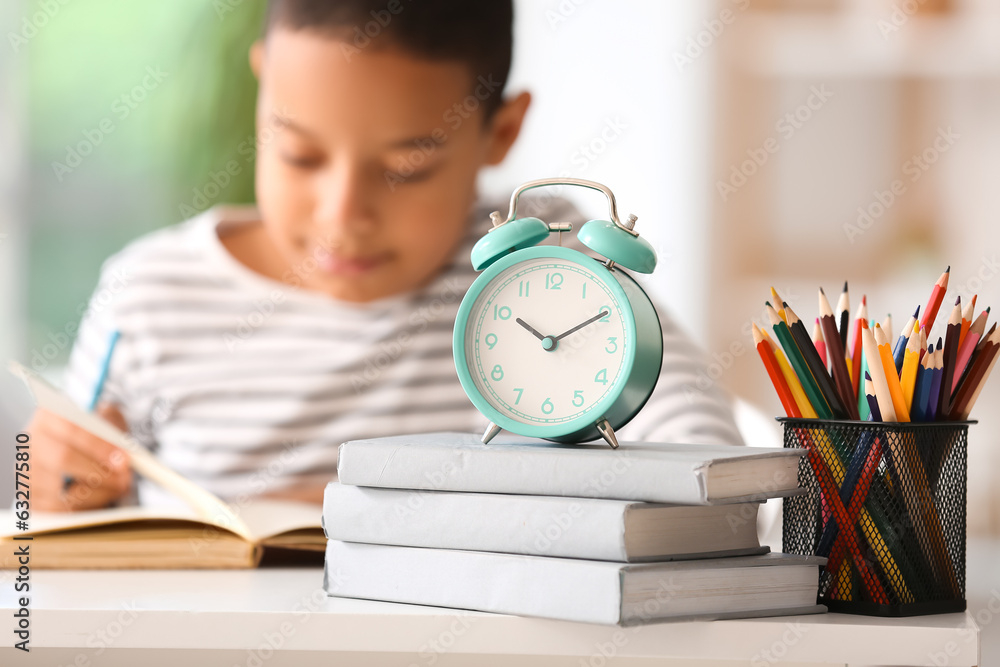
(784, 304)
(948, 270)
(958, 300)
(864, 299)
(845, 285)
(868, 376)
(821, 291)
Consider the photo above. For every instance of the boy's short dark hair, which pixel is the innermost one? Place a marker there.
(478, 33)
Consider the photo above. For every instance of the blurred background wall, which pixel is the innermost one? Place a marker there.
(117, 118)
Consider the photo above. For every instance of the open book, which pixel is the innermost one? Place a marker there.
(207, 533)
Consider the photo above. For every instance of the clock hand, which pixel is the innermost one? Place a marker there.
(603, 313)
(529, 328)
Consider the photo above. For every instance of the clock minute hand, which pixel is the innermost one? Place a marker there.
(529, 328)
(603, 313)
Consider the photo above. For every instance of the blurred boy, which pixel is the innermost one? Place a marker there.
(255, 340)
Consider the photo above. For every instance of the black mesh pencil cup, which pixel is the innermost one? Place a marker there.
(885, 504)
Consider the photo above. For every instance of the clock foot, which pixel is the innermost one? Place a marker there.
(491, 432)
(607, 433)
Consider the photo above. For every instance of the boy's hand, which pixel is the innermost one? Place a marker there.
(101, 470)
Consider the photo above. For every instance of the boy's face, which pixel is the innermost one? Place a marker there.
(364, 154)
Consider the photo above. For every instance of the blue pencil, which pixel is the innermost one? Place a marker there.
(917, 411)
(930, 411)
(899, 352)
(115, 335)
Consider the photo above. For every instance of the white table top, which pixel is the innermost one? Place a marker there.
(85, 612)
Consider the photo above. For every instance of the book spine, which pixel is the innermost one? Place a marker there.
(561, 588)
(532, 525)
(499, 469)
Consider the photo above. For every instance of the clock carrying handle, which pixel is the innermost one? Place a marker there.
(593, 185)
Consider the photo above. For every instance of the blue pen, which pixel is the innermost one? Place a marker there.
(115, 335)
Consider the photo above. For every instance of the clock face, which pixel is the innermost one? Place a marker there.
(546, 340)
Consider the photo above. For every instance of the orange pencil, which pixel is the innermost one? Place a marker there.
(774, 372)
(908, 374)
(895, 390)
(934, 303)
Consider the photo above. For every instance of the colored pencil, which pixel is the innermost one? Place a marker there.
(973, 384)
(876, 414)
(886, 327)
(968, 313)
(876, 371)
(856, 349)
(812, 390)
(841, 377)
(798, 393)
(899, 351)
(892, 380)
(844, 315)
(819, 341)
(932, 398)
(968, 346)
(863, 408)
(777, 304)
(816, 365)
(934, 303)
(103, 376)
(921, 390)
(911, 361)
(950, 357)
(774, 372)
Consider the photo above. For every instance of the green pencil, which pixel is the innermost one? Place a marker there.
(799, 364)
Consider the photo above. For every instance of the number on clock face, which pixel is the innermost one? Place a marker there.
(546, 341)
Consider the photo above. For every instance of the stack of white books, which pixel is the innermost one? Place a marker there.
(644, 533)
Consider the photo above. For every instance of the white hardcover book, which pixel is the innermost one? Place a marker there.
(650, 472)
(613, 530)
(575, 590)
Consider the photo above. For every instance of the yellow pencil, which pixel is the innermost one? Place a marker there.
(895, 390)
(798, 393)
(911, 359)
(777, 305)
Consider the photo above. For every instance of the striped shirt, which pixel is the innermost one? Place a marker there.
(246, 385)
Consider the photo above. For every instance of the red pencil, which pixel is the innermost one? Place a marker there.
(774, 372)
(934, 303)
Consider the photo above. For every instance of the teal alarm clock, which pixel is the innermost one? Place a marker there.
(550, 342)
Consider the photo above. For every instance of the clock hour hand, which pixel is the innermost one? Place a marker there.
(603, 313)
(529, 328)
